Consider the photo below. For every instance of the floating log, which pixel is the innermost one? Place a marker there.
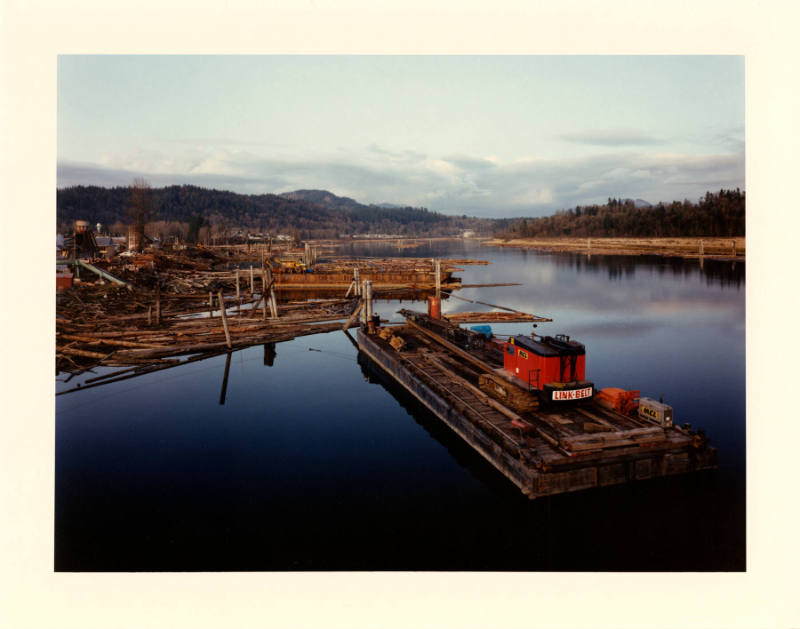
(79, 352)
(103, 340)
(517, 312)
(491, 317)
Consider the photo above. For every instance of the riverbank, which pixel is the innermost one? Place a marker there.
(725, 248)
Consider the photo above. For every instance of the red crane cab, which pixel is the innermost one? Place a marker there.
(555, 367)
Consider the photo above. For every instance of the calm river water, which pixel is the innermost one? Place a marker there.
(314, 463)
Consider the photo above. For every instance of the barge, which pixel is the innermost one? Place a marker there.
(524, 405)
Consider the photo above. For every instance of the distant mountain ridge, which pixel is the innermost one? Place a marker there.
(328, 199)
(314, 213)
(323, 198)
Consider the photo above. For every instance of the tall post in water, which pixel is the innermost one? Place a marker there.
(357, 280)
(252, 287)
(368, 306)
(224, 319)
(238, 295)
(270, 288)
(264, 291)
(701, 248)
(438, 279)
(365, 306)
(273, 301)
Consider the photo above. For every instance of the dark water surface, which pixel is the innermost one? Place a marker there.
(315, 463)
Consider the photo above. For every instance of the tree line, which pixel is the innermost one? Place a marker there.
(187, 210)
(717, 214)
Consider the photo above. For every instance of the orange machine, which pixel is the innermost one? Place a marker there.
(553, 366)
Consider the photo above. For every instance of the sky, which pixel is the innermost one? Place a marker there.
(491, 136)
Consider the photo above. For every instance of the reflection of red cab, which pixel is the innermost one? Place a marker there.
(554, 365)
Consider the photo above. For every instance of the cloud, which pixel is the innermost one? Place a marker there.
(729, 140)
(208, 141)
(611, 137)
(467, 162)
(460, 184)
(403, 156)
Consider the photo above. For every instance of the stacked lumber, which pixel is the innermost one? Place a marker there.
(508, 393)
(614, 439)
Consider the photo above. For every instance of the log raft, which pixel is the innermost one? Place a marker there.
(543, 452)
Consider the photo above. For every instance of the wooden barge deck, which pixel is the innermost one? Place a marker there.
(542, 452)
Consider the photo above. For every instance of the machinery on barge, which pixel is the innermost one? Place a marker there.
(525, 404)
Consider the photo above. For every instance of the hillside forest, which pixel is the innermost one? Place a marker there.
(193, 214)
(717, 214)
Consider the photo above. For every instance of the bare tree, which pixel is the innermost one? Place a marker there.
(141, 208)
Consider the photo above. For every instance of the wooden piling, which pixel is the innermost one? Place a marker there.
(252, 289)
(365, 309)
(224, 318)
(273, 302)
(264, 291)
(438, 279)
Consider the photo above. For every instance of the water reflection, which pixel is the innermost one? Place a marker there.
(722, 272)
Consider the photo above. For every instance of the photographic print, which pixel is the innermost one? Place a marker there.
(400, 313)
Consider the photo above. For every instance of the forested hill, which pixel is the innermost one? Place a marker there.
(719, 214)
(322, 214)
(315, 214)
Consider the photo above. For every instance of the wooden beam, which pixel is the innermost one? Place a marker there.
(353, 316)
(457, 350)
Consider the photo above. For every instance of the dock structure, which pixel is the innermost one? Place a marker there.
(543, 452)
(384, 273)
